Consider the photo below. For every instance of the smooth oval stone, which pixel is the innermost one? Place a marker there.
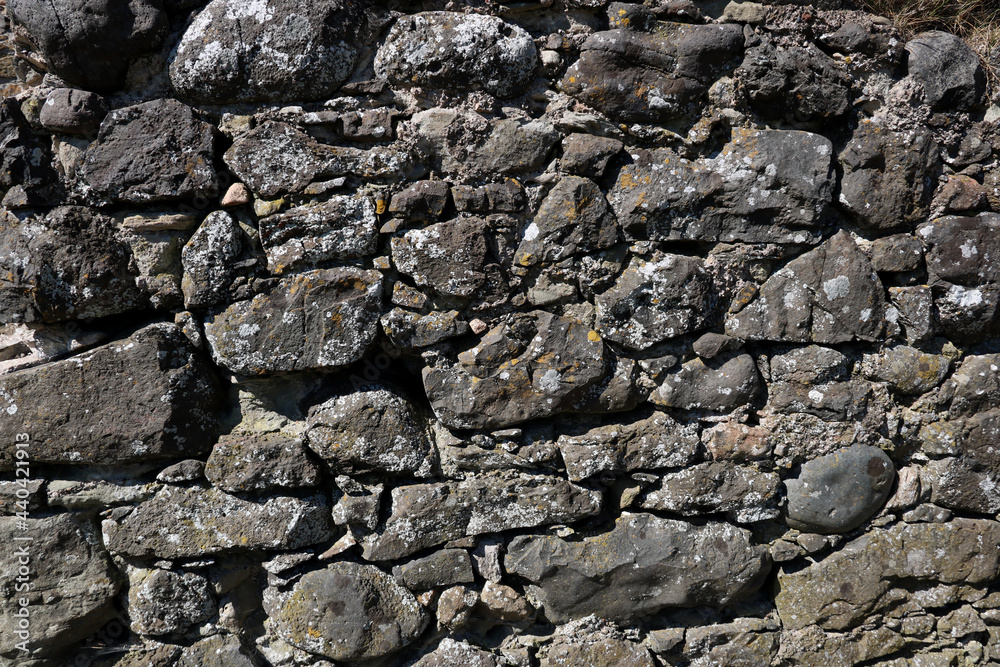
(840, 491)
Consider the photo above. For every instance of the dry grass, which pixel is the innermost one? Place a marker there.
(975, 21)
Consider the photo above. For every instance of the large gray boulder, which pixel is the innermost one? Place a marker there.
(828, 295)
(948, 69)
(154, 151)
(425, 515)
(149, 396)
(268, 51)
(537, 365)
(320, 319)
(802, 83)
(72, 584)
(458, 52)
(70, 264)
(766, 186)
(192, 522)
(642, 566)
(840, 491)
(90, 43)
(350, 611)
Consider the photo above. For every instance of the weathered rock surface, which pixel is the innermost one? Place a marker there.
(267, 51)
(656, 300)
(252, 462)
(320, 319)
(217, 651)
(350, 611)
(306, 236)
(766, 186)
(908, 370)
(452, 653)
(26, 158)
(611, 575)
(840, 491)
(801, 82)
(447, 256)
(72, 584)
(72, 111)
(154, 151)
(458, 51)
(600, 649)
(375, 429)
(149, 396)
(90, 43)
(720, 387)
(442, 568)
(741, 492)
(847, 586)
(425, 515)
(162, 602)
(887, 176)
(537, 366)
(163, 526)
(649, 78)
(87, 270)
(948, 70)
(209, 259)
(828, 295)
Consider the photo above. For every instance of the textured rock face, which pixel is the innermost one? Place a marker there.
(148, 396)
(765, 186)
(603, 575)
(161, 527)
(72, 591)
(155, 151)
(496, 333)
(338, 308)
(89, 43)
(828, 295)
(267, 51)
(458, 51)
(425, 515)
(350, 611)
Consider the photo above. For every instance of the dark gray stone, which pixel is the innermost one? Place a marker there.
(192, 522)
(253, 462)
(838, 492)
(375, 429)
(268, 51)
(409, 331)
(421, 200)
(26, 159)
(452, 653)
(965, 281)
(722, 386)
(340, 228)
(441, 568)
(448, 257)
(73, 111)
(969, 482)
(652, 301)
(603, 648)
(642, 566)
(154, 151)
(320, 319)
(828, 295)
(897, 254)
(350, 611)
(743, 493)
(458, 52)
(889, 176)
(587, 155)
(218, 651)
(535, 366)
(90, 43)
(425, 515)
(948, 69)
(974, 387)
(650, 443)
(162, 602)
(209, 259)
(652, 77)
(779, 196)
(72, 584)
(802, 83)
(71, 264)
(907, 369)
(150, 396)
(574, 218)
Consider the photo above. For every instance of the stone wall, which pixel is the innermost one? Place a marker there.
(495, 333)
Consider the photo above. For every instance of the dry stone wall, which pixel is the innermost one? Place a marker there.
(516, 334)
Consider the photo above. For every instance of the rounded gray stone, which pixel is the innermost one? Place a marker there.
(73, 111)
(840, 491)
